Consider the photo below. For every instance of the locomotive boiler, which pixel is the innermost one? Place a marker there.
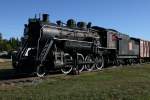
(67, 47)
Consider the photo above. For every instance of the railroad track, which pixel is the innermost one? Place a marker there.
(25, 79)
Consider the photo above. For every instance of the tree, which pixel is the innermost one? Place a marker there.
(9, 45)
(14, 43)
(0, 36)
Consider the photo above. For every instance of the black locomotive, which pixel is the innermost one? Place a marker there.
(72, 47)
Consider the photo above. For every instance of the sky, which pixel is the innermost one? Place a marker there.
(131, 17)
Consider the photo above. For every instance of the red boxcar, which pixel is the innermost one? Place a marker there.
(144, 49)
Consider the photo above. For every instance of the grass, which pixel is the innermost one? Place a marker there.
(126, 83)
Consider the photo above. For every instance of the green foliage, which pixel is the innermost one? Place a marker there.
(9, 45)
(0, 36)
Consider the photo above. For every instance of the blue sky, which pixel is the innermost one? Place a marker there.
(128, 16)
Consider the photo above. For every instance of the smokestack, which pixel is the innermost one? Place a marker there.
(45, 18)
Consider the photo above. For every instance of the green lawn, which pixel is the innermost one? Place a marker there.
(127, 83)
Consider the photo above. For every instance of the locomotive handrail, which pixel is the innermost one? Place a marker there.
(72, 29)
(70, 40)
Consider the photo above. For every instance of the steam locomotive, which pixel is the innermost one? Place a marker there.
(74, 47)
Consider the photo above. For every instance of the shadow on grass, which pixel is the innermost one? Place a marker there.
(7, 74)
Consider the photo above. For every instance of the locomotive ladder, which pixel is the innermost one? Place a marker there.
(45, 50)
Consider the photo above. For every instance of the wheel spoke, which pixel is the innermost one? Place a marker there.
(68, 68)
(99, 62)
(89, 59)
(41, 71)
(80, 60)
